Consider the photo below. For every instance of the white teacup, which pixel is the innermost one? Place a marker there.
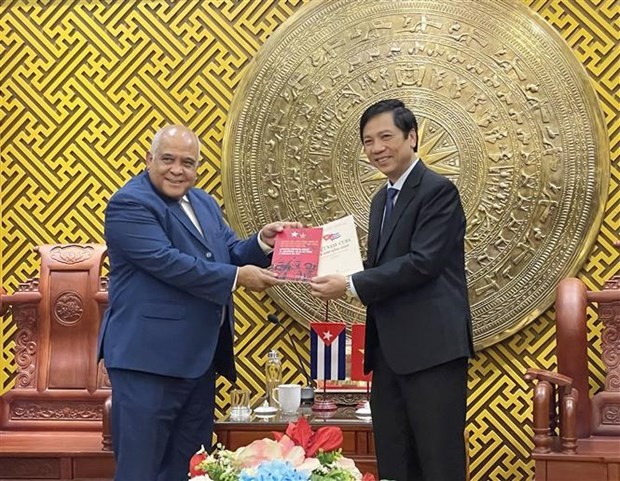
(288, 397)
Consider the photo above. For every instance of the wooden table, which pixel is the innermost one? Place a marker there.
(358, 441)
(27, 456)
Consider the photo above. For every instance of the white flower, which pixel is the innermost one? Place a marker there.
(308, 466)
(349, 465)
(204, 477)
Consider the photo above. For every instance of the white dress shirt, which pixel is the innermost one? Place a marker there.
(398, 185)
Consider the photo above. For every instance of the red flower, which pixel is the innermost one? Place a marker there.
(368, 477)
(194, 463)
(326, 438)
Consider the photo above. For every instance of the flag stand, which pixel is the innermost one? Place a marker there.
(325, 405)
(362, 404)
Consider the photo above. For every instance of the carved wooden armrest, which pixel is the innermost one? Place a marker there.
(106, 439)
(545, 416)
(4, 306)
(550, 377)
(19, 298)
(604, 296)
(101, 297)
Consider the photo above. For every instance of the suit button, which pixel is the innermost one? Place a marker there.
(209, 255)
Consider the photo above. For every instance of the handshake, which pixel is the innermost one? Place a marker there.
(324, 287)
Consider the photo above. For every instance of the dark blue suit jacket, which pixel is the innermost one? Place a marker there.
(169, 285)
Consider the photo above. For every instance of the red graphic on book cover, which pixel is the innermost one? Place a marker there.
(358, 337)
(296, 253)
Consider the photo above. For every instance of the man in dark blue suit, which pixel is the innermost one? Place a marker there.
(418, 323)
(174, 264)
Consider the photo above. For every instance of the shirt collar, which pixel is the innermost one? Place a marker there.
(401, 180)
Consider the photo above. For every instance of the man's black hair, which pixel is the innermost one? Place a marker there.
(403, 117)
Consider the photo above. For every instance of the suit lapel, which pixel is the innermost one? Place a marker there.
(405, 197)
(374, 228)
(180, 214)
(204, 216)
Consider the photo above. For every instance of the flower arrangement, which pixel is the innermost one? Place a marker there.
(300, 454)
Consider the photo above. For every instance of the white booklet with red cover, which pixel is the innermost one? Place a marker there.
(301, 254)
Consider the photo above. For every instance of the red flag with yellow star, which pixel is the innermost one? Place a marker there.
(358, 337)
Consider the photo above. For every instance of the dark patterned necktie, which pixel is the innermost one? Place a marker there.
(389, 204)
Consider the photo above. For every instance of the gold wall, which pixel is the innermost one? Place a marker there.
(84, 85)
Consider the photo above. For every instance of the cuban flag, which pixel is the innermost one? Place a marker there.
(328, 350)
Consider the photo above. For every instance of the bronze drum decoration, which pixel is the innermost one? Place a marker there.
(505, 111)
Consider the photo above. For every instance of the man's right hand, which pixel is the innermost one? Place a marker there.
(256, 278)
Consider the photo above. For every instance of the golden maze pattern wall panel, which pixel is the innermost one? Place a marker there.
(85, 84)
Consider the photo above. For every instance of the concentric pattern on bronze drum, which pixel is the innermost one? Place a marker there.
(506, 112)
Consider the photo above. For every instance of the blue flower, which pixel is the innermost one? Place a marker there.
(276, 470)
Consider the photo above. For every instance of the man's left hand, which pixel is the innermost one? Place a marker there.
(328, 287)
(270, 231)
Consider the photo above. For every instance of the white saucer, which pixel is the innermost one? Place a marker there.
(265, 411)
(364, 412)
